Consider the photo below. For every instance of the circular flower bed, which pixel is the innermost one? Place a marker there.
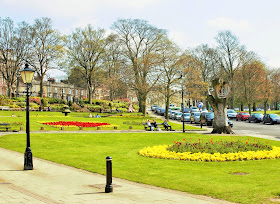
(165, 152)
(75, 124)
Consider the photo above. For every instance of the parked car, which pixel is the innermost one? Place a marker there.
(271, 118)
(242, 116)
(158, 110)
(195, 117)
(185, 117)
(153, 108)
(204, 110)
(173, 114)
(231, 113)
(162, 111)
(230, 123)
(178, 116)
(207, 118)
(170, 114)
(186, 110)
(256, 117)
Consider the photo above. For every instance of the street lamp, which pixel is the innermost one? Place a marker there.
(182, 104)
(27, 76)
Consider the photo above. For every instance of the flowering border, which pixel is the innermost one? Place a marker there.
(162, 153)
(75, 124)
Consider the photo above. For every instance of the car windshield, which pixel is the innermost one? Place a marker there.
(258, 114)
(274, 116)
(179, 113)
(245, 113)
(231, 111)
(210, 115)
(197, 114)
(187, 114)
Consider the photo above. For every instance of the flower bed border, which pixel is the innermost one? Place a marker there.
(162, 153)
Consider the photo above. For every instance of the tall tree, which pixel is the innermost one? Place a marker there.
(250, 78)
(47, 48)
(169, 57)
(210, 62)
(114, 67)
(230, 49)
(14, 43)
(192, 71)
(85, 48)
(140, 43)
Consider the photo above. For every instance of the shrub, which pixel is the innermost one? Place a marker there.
(44, 102)
(123, 110)
(94, 108)
(69, 103)
(35, 100)
(76, 107)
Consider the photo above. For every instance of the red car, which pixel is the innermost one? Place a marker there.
(242, 116)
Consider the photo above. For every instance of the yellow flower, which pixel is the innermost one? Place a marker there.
(162, 152)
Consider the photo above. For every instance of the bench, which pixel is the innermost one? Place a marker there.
(5, 126)
(5, 108)
(161, 125)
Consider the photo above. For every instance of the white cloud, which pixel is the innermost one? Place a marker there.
(227, 23)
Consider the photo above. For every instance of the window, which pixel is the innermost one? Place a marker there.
(82, 92)
(50, 89)
(63, 90)
(55, 90)
(69, 91)
(34, 88)
(77, 92)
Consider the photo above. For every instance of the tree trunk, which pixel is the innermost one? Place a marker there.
(249, 106)
(167, 106)
(265, 106)
(254, 106)
(219, 105)
(41, 86)
(9, 90)
(90, 95)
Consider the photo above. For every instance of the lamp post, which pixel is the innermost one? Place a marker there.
(27, 76)
(182, 104)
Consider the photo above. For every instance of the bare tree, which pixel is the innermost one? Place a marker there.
(85, 48)
(14, 42)
(230, 49)
(47, 48)
(140, 43)
(114, 67)
(249, 78)
(171, 70)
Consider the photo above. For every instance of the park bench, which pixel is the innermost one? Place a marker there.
(161, 125)
(5, 108)
(5, 126)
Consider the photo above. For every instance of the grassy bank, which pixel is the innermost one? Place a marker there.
(121, 122)
(237, 181)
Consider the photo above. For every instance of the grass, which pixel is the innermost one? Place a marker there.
(216, 179)
(121, 122)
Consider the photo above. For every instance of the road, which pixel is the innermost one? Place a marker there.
(245, 128)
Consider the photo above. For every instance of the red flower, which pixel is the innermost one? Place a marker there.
(76, 123)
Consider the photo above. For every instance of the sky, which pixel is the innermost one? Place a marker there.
(189, 22)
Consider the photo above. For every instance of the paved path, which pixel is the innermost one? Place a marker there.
(50, 182)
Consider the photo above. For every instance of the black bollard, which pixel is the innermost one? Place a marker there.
(108, 187)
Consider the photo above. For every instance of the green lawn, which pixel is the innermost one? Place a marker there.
(216, 179)
(121, 122)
